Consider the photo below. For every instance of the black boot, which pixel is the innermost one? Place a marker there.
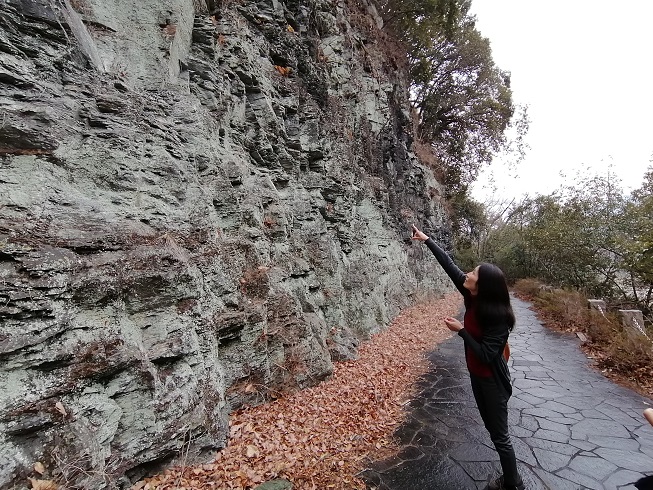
(499, 484)
(645, 483)
(519, 486)
(495, 484)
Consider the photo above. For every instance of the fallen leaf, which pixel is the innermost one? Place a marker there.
(321, 437)
(39, 468)
(43, 484)
(60, 408)
(170, 30)
(252, 451)
(284, 70)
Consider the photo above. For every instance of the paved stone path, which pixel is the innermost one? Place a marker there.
(571, 427)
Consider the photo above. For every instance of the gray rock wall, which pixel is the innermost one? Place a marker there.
(201, 204)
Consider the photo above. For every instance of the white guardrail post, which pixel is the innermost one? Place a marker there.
(633, 319)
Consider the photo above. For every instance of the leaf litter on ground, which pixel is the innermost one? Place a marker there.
(323, 436)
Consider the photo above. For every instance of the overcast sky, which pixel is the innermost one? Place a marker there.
(585, 69)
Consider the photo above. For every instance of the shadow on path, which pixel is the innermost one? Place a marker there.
(571, 427)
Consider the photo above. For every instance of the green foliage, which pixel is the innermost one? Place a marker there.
(637, 242)
(589, 237)
(468, 224)
(467, 219)
(563, 242)
(463, 100)
(421, 18)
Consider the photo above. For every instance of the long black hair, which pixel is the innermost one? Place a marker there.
(492, 297)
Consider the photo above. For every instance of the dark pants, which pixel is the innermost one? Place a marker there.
(492, 402)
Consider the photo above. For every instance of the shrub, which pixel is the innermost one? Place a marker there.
(529, 288)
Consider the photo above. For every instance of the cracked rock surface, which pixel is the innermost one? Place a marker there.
(201, 203)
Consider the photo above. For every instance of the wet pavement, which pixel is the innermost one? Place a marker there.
(571, 427)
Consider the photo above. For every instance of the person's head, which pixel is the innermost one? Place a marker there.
(491, 283)
(488, 277)
(491, 292)
(471, 281)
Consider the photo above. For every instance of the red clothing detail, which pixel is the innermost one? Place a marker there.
(474, 364)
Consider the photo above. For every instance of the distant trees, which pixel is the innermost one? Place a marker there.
(569, 238)
(590, 237)
(637, 247)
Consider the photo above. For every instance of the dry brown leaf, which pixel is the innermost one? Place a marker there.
(170, 30)
(284, 70)
(39, 468)
(252, 451)
(60, 408)
(43, 484)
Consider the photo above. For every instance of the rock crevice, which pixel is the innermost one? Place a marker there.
(202, 204)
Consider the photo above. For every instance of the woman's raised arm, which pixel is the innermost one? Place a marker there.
(452, 270)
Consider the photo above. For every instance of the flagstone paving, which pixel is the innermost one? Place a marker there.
(571, 427)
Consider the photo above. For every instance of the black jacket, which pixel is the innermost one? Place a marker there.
(490, 349)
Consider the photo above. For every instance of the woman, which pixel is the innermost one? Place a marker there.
(488, 321)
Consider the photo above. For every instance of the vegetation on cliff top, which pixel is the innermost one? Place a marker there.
(462, 100)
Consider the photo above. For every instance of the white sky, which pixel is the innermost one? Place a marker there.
(585, 69)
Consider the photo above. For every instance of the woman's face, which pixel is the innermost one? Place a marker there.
(471, 281)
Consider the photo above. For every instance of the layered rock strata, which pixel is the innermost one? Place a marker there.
(201, 204)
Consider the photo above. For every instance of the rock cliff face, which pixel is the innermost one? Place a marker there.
(201, 204)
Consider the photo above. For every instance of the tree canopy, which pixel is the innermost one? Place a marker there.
(463, 100)
(637, 247)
